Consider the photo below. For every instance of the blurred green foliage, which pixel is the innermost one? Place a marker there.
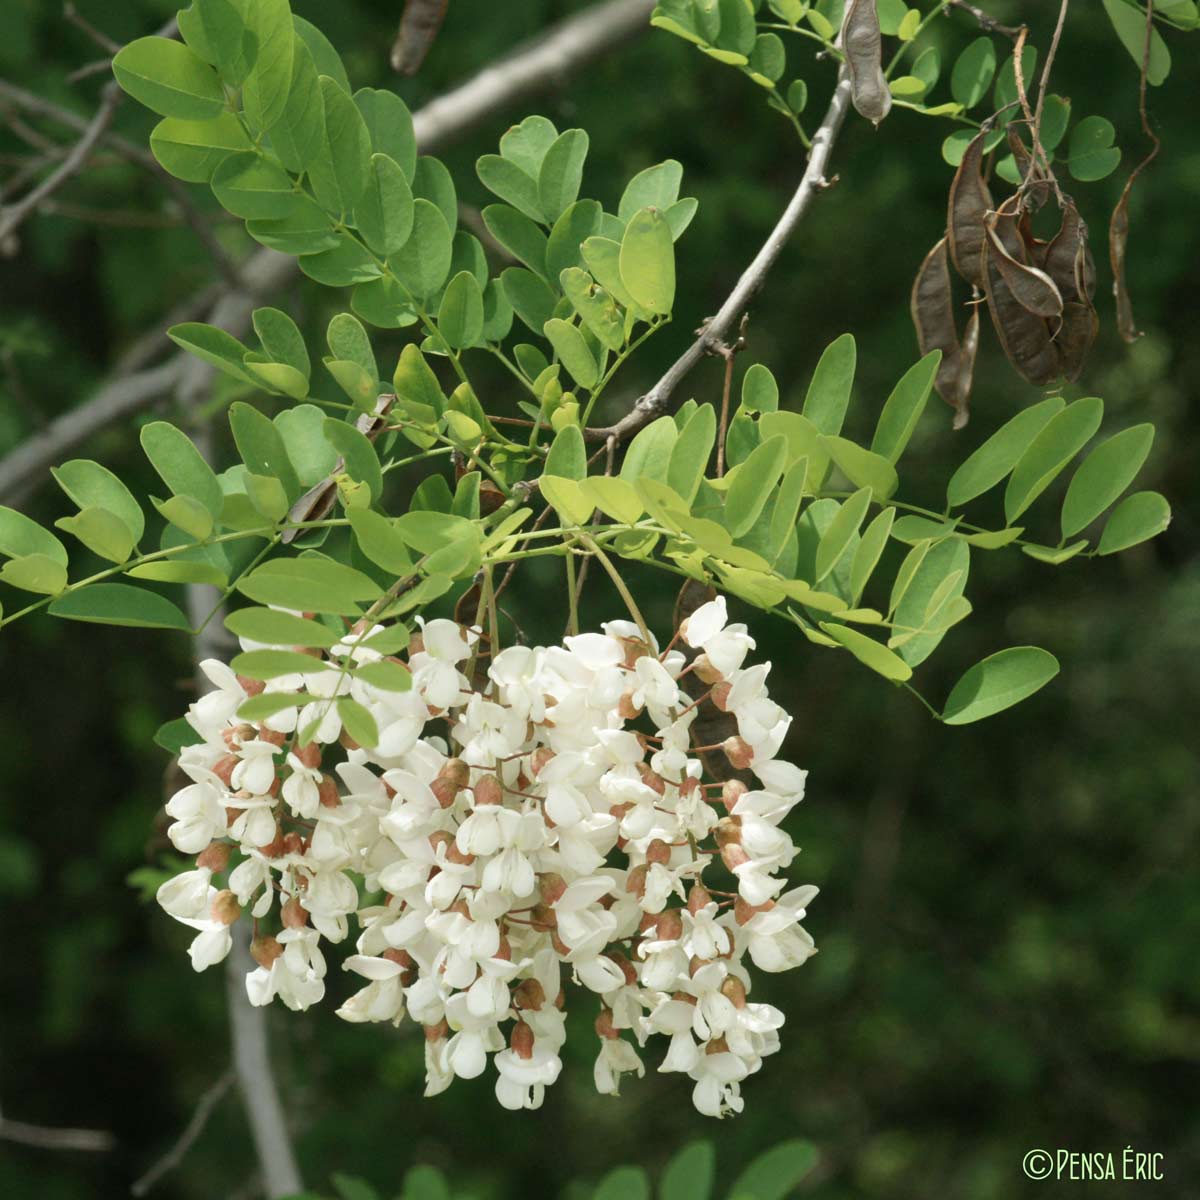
(1009, 912)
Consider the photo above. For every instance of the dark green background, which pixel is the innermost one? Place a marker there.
(1009, 917)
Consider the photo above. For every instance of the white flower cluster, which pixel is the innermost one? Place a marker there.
(554, 826)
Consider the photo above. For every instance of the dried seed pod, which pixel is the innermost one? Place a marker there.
(932, 314)
(1118, 240)
(1024, 336)
(1080, 324)
(1069, 263)
(932, 311)
(862, 45)
(964, 377)
(1035, 187)
(1032, 288)
(1067, 259)
(970, 202)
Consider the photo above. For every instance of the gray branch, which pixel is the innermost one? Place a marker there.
(722, 328)
(256, 1079)
(547, 61)
(188, 1138)
(12, 216)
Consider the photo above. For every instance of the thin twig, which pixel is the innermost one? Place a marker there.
(187, 1139)
(45, 1137)
(729, 353)
(102, 40)
(92, 133)
(719, 329)
(1039, 150)
(1118, 228)
(76, 160)
(986, 21)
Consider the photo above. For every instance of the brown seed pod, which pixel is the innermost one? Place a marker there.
(1024, 336)
(1035, 188)
(969, 203)
(1067, 254)
(1069, 263)
(1032, 288)
(964, 378)
(863, 47)
(932, 311)
(1080, 324)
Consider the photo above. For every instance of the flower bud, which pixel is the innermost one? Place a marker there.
(635, 648)
(458, 857)
(635, 881)
(444, 791)
(521, 1040)
(651, 778)
(543, 918)
(225, 908)
(327, 792)
(743, 912)
(658, 852)
(309, 755)
(529, 994)
(223, 768)
(734, 990)
(455, 771)
(215, 856)
(728, 832)
(731, 792)
(551, 886)
(626, 967)
(293, 914)
(604, 1025)
(670, 925)
(488, 790)
(739, 752)
(539, 758)
(732, 855)
(265, 949)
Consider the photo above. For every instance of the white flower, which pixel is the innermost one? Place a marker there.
(522, 1082)
(507, 850)
(616, 1058)
(199, 817)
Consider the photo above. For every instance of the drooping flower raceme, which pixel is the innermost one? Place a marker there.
(551, 825)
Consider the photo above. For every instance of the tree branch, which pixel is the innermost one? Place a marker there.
(541, 64)
(92, 133)
(187, 1139)
(12, 216)
(718, 330)
(46, 1138)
